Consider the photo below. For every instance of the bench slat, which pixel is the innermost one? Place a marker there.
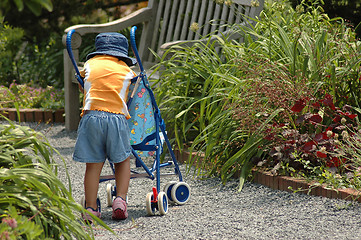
(165, 23)
(186, 23)
(224, 18)
(180, 19)
(172, 20)
(208, 18)
(216, 16)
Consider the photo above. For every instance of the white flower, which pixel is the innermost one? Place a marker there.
(228, 2)
(219, 1)
(254, 3)
(194, 27)
(329, 133)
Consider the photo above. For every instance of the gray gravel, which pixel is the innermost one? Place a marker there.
(215, 211)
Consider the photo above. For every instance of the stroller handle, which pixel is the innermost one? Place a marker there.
(70, 53)
(134, 47)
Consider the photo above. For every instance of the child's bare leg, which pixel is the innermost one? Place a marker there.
(91, 183)
(122, 177)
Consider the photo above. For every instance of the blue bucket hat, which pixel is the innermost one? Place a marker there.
(113, 44)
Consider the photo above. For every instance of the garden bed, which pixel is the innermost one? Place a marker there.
(283, 183)
(290, 184)
(34, 115)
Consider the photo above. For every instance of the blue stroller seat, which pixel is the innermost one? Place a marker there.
(147, 137)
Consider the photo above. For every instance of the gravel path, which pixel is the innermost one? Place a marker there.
(215, 211)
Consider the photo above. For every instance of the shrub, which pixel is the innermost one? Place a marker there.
(10, 42)
(222, 96)
(41, 64)
(25, 96)
(312, 46)
(34, 203)
(310, 143)
(38, 64)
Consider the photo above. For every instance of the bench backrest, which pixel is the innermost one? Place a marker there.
(173, 19)
(164, 21)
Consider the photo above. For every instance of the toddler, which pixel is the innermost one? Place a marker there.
(103, 131)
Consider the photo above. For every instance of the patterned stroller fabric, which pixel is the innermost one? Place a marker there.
(142, 122)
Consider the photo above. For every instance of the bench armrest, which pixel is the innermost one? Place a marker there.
(139, 16)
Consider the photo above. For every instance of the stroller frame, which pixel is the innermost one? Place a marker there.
(173, 192)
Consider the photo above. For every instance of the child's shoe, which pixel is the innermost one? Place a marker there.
(119, 209)
(87, 218)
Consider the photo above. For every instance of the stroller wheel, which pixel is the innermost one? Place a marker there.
(150, 205)
(162, 203)
(180, 193)
(168, 190)
(109, 194)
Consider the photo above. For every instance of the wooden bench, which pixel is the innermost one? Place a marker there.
(163, 23)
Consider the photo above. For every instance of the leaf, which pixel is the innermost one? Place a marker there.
(321, 154)
(34, 7)
(315, 118)
(299, 105)
(19, 5)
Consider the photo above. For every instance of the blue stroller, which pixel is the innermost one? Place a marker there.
(148, 134)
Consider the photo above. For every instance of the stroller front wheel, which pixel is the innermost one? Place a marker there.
(150, 205)
(109, 194)
(162, 203)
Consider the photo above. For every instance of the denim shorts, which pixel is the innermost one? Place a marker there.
(101, 136)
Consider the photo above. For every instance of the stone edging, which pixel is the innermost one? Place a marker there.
(290, 184)
(34, 115)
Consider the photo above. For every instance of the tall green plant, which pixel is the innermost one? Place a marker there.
(307, 41)
(218, 94)
(34, 203)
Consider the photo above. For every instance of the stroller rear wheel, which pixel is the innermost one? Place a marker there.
(168, 190)
(181, 193)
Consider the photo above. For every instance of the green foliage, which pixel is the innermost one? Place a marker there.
(25, 96)
(32, 49)
(312, 46)
(223, 97)
(206, 88)
(34, 6)
(28, 63)
(10, 40)
(15, 226)
(34, 203)
(48, 61)
(347, 9)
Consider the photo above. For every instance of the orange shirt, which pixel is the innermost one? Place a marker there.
(106, 84)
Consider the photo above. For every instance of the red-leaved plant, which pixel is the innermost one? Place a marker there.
(313, 136)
